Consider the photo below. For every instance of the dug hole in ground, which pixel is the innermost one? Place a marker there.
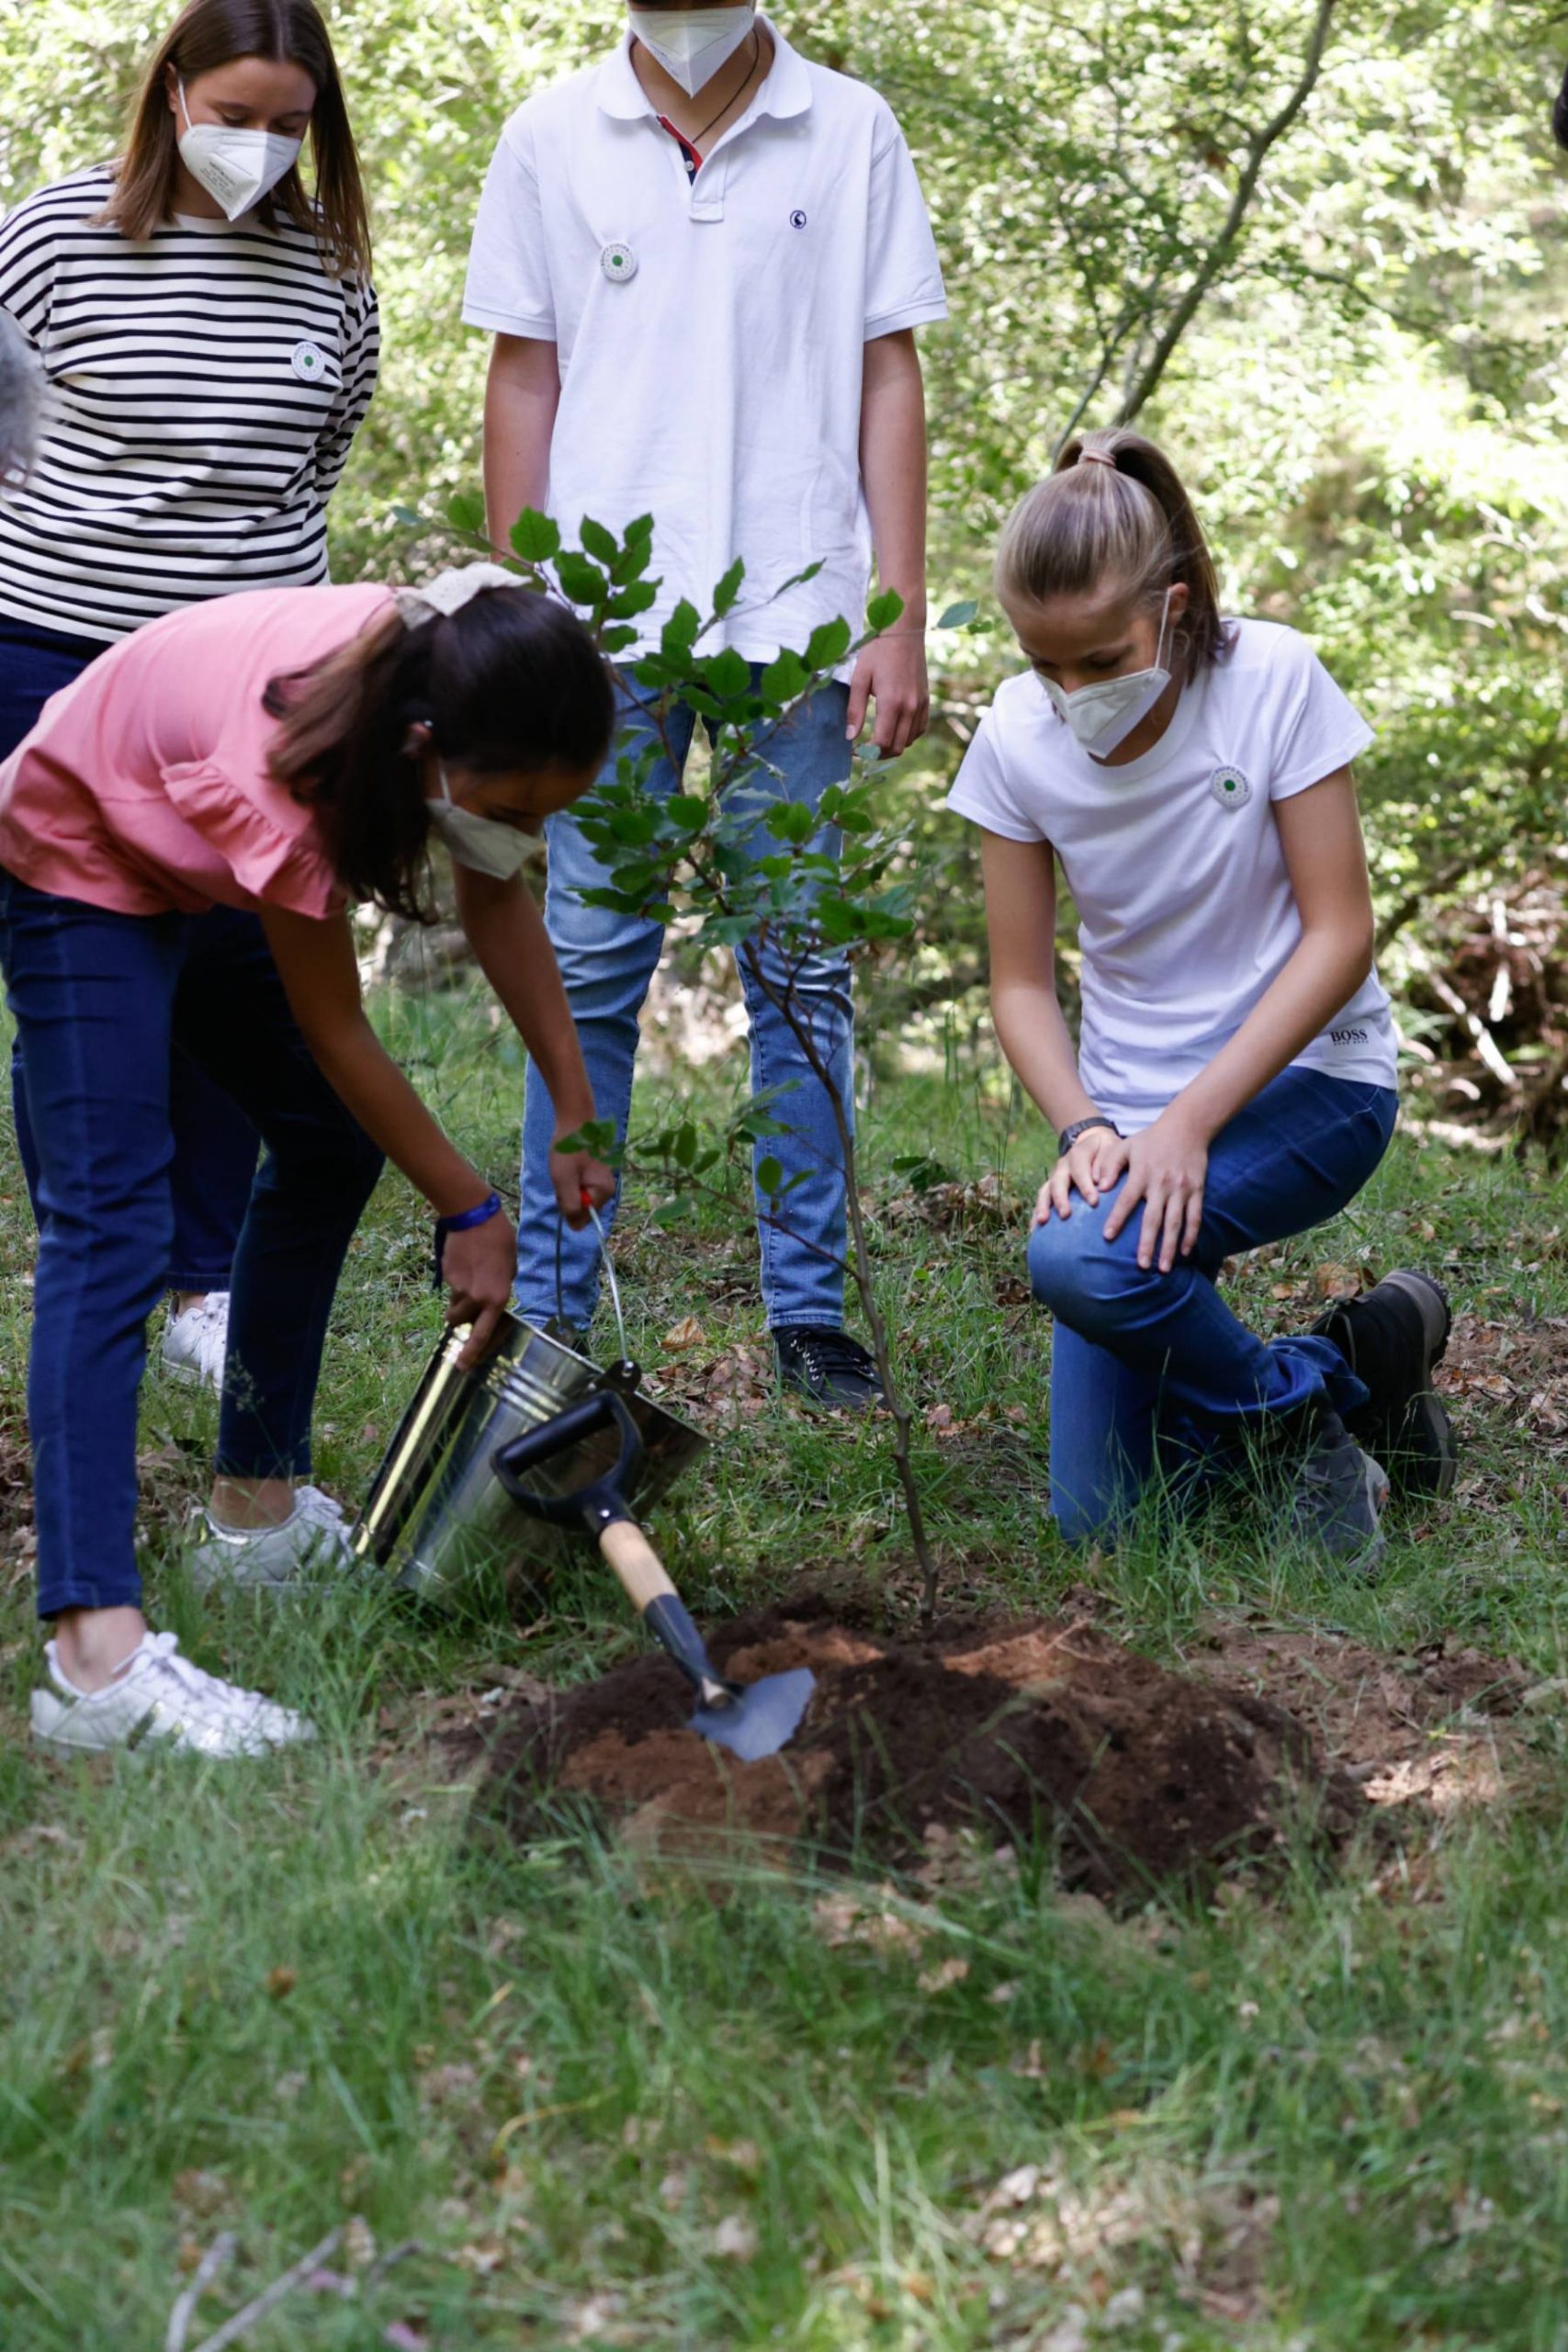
(1017, 1732)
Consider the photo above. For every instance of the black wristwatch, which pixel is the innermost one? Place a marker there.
(1069, 1135)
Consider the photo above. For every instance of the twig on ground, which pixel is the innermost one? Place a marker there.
(207, 2270)
(243, 2322)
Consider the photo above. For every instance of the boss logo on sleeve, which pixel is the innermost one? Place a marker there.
(1230, 788)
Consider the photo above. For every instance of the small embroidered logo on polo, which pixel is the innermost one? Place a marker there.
(619, 264)
(799, 219)
(309, 362)
(1230, 788)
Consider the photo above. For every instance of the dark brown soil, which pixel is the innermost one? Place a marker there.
(1023, 1729)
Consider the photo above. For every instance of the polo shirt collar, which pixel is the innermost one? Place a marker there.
(786, 92)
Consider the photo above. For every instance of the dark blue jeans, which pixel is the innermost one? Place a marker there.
(214, 1144)
(98, 998)
(1151, 1374)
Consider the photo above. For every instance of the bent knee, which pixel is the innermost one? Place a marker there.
(1076, 1273)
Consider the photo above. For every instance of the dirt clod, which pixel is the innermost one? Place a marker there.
(1019, 1729)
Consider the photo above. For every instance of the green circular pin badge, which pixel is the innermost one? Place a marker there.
(619, 264)
(1230, 788)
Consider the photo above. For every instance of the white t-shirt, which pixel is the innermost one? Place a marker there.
(712, 333)
(1175, 863)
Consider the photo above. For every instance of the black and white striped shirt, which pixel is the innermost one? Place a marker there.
(204, 391)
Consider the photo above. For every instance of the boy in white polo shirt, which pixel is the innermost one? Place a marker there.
(704, 260)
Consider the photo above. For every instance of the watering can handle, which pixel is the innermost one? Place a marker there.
(600, 1500)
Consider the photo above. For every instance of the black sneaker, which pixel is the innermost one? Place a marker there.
(827, 1366)
(1339, 1495)
(1391, 1339)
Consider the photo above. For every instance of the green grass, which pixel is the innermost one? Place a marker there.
(616, 2106)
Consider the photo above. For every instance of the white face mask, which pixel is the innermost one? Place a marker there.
(693, 44)
(483, 844)
(236, 167)
(1102, 717)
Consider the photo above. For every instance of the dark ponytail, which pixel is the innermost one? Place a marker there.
(510, 684)
(1115, 512)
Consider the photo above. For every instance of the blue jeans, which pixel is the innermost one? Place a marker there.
(97, 999)
(1152, 1375)
(607, 961)
(215, 1144)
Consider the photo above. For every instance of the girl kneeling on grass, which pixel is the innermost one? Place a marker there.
(278, 753)
(1235, 1079)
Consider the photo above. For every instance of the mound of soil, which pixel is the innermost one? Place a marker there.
(1019, 1729)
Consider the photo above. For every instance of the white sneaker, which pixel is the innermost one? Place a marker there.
(195, 1343)
(270, 1558)
(159, 1695)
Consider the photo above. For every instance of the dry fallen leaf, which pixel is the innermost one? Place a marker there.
(685, 1335)
(735, 2239)
(946, 1972)
(280, 1982)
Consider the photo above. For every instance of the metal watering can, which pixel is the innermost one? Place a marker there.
(438, 1514)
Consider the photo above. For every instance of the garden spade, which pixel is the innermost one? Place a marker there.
(751, 1720)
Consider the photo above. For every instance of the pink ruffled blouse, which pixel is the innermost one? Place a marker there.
(144, 789)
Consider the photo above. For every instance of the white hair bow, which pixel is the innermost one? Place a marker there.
(450, 591)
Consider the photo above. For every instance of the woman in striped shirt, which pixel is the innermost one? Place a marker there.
(207, 331)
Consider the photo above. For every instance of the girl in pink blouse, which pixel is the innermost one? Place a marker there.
(281, 754)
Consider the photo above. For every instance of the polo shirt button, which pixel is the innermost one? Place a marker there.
(619, 264)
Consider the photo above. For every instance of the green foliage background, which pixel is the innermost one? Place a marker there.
(1365, 381)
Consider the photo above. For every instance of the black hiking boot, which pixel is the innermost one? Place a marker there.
(827, 1366)
(1391, 1339)
(1337, 1501)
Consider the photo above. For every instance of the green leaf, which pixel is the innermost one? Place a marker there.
(615, 640)
(601, 544)
(681, 632)
(684, 1151)
(769, 1177)
(409, 519)
(596, 1135)
(959, 616)
(785, 679)
(466, 511)
(688, 811)
(534, 537)
(637, 598)
(581, 582)
(829, 645)
(792, 821)
(882, 611)
(726, 594)
(728, 675)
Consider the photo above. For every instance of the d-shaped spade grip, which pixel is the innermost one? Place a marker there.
(603, 1499)
(601, 1506)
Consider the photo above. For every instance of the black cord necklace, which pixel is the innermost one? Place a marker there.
(694, 141)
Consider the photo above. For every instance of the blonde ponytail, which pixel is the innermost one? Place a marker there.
(1114, 513)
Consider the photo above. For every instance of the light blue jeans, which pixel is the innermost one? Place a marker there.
(607, 961)
(1152, 1377)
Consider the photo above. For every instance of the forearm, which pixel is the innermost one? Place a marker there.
(507, 934)
(363, 1075)
(522, 396)
(894, 471)
(1034, 1038)
(1322, 977)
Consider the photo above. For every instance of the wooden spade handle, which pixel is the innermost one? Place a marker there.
(643, 1576)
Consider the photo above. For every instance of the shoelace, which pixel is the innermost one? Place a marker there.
(826, 1352)
(209, 1696)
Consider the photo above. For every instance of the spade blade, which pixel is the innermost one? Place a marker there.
(760, 1719)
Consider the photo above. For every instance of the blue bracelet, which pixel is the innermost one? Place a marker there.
(463, 1222)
